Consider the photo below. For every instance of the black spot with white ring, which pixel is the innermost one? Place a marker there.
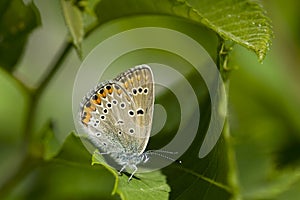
(102, 117)
(134, 91)
(140, 111)
(115, 102)
(131, 131)
(145, 90)
(122, 105)
(108, 105)
(140, 90)
(131, 113)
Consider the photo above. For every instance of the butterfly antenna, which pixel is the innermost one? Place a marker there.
(158, 153)
(163, 151)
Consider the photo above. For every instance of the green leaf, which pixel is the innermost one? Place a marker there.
(242, 21)
(150, 185)
(57, 180)
(195, 178)
(89, 16)
(69, 173)
(74, 20)
(51, 144)
(201, 178)
(17, 21)
(73, 151)
(288, 154)
(268, 127)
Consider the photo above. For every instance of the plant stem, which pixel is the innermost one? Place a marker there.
(232, 172)
(36, 94)
(222, 63)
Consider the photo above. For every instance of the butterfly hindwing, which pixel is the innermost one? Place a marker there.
(118, 113)
(138, 83)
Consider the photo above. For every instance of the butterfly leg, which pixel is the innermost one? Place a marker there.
(134, 170)
(124, 166)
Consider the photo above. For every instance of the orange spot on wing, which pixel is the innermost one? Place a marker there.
(97, 101)
(103, 94)
(89, 109)
(85, 120)
(126, 84)
(110, 90)
(93, 107)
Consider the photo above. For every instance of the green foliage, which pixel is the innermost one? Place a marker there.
(241, 21)
(16, 22)
(152, 184)
(74, 21)
(255, 158)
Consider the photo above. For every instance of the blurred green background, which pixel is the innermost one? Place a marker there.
(264, 108)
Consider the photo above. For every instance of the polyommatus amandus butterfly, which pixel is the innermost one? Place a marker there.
(117, 116)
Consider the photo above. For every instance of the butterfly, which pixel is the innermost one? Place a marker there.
(117, 116)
